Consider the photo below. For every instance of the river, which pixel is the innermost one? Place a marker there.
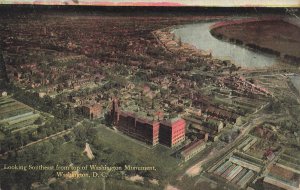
(199, 36)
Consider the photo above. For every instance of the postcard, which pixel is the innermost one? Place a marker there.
(126, 97)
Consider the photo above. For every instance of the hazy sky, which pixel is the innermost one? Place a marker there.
(272, 3)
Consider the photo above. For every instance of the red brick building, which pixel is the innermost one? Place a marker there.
(142, 129)
(147, 131)
(92, 111)
(172, 133)
(125, 122)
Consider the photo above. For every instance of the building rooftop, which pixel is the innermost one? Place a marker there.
(173, 122)
(147, 121)
(192, 146)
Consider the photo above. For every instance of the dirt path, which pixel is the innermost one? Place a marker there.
(44, 139)
(40, 140)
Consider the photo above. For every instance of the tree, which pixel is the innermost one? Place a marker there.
(81, 133)
(274, 106)
(38, 121)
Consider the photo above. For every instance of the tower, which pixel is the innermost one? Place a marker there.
(115, 110)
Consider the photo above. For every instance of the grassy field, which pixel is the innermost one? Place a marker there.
(136, 151)
(57, 151)
(68, 150)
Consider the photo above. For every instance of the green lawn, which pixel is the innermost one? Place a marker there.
(136, 151)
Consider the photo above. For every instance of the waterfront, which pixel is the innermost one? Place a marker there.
(199, 36)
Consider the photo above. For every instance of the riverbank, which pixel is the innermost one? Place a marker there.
(198, 35)
(174, 44)
(272, 36)
(186, 51)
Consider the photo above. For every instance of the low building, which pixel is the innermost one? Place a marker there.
(214, 125)
(282, 177)
(194, 111)
(193, 148)
(92, 111)
(40, 94)
(272, 183)
(269, 155)
(200, 125)
(172, 133)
